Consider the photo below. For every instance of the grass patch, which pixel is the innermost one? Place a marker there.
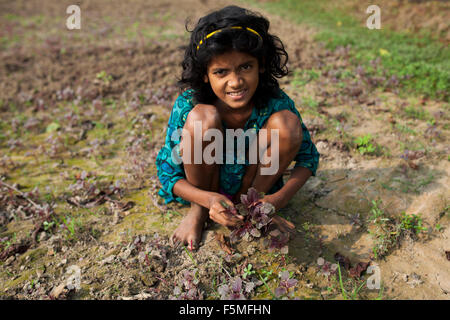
(405, 129)
(388, 231)
(419, 64)
(302, 77)
(413, 112)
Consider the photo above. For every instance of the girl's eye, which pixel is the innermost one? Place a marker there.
(246, 67)
(219, 72)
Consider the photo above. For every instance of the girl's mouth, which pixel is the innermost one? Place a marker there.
(237, 95)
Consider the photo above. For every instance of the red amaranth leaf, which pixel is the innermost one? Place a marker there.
(356, 271)
(342, 260)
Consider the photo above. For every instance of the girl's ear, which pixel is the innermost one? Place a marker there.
(205, 78)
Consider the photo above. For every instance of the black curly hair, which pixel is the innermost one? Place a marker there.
(267, 48)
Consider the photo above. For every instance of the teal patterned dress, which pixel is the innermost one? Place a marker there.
(230, 174)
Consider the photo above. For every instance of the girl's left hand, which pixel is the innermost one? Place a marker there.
(282, 224)
(270, 199)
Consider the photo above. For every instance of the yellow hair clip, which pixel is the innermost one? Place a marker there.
(219, 30)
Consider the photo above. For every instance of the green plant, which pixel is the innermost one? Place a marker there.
(377, 213)
(190, 255)
(248, 271)
(411, 222)
(387, 231)
(69, 225)
(268, 288)
(364, 144)
(384, 230)
(106, 78)
(266, 274)
(343, 291)
(48, 225)
(6, 244)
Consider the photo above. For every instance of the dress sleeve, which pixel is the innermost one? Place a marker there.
(307, 156)
(169, 170)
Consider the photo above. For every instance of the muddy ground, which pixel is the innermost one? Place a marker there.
(82, 118)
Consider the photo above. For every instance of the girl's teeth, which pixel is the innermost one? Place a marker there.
(236, 93)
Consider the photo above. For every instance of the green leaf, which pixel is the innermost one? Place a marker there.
(54, 126)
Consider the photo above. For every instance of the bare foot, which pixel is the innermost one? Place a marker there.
(189, 232)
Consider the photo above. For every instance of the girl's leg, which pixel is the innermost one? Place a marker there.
(290, 140)
(203, 176)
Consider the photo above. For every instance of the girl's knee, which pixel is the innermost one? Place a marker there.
(289, 127)
(206, 114)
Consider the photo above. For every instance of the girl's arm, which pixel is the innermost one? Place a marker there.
(189, 192)
(298, 178)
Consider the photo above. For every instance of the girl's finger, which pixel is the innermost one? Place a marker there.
(229, 206)
(224, 218)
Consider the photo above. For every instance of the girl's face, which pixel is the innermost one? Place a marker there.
(234, 77)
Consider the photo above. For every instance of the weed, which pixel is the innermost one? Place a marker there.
(405, 129)
(190, 255)
(411, 222)
(266, 274)
(302, 77)
(103, 76)
(268, 288)
(48, 225)
(388, 231)
(6, 242)
(68, 223)
(344, 293)
(248, 271)
(385, 231)
(416, 113)
(364, 144)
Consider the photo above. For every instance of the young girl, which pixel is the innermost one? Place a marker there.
(229, 80)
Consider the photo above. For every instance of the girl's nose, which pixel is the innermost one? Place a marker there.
(235, 80)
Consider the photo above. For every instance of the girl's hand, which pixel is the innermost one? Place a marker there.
(222, 210)
(282, 224)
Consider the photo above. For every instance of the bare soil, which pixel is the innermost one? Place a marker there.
(108, 89)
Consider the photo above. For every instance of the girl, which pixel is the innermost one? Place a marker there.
(229, 80)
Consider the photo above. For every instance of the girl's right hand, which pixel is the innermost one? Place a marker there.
(222, 210)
